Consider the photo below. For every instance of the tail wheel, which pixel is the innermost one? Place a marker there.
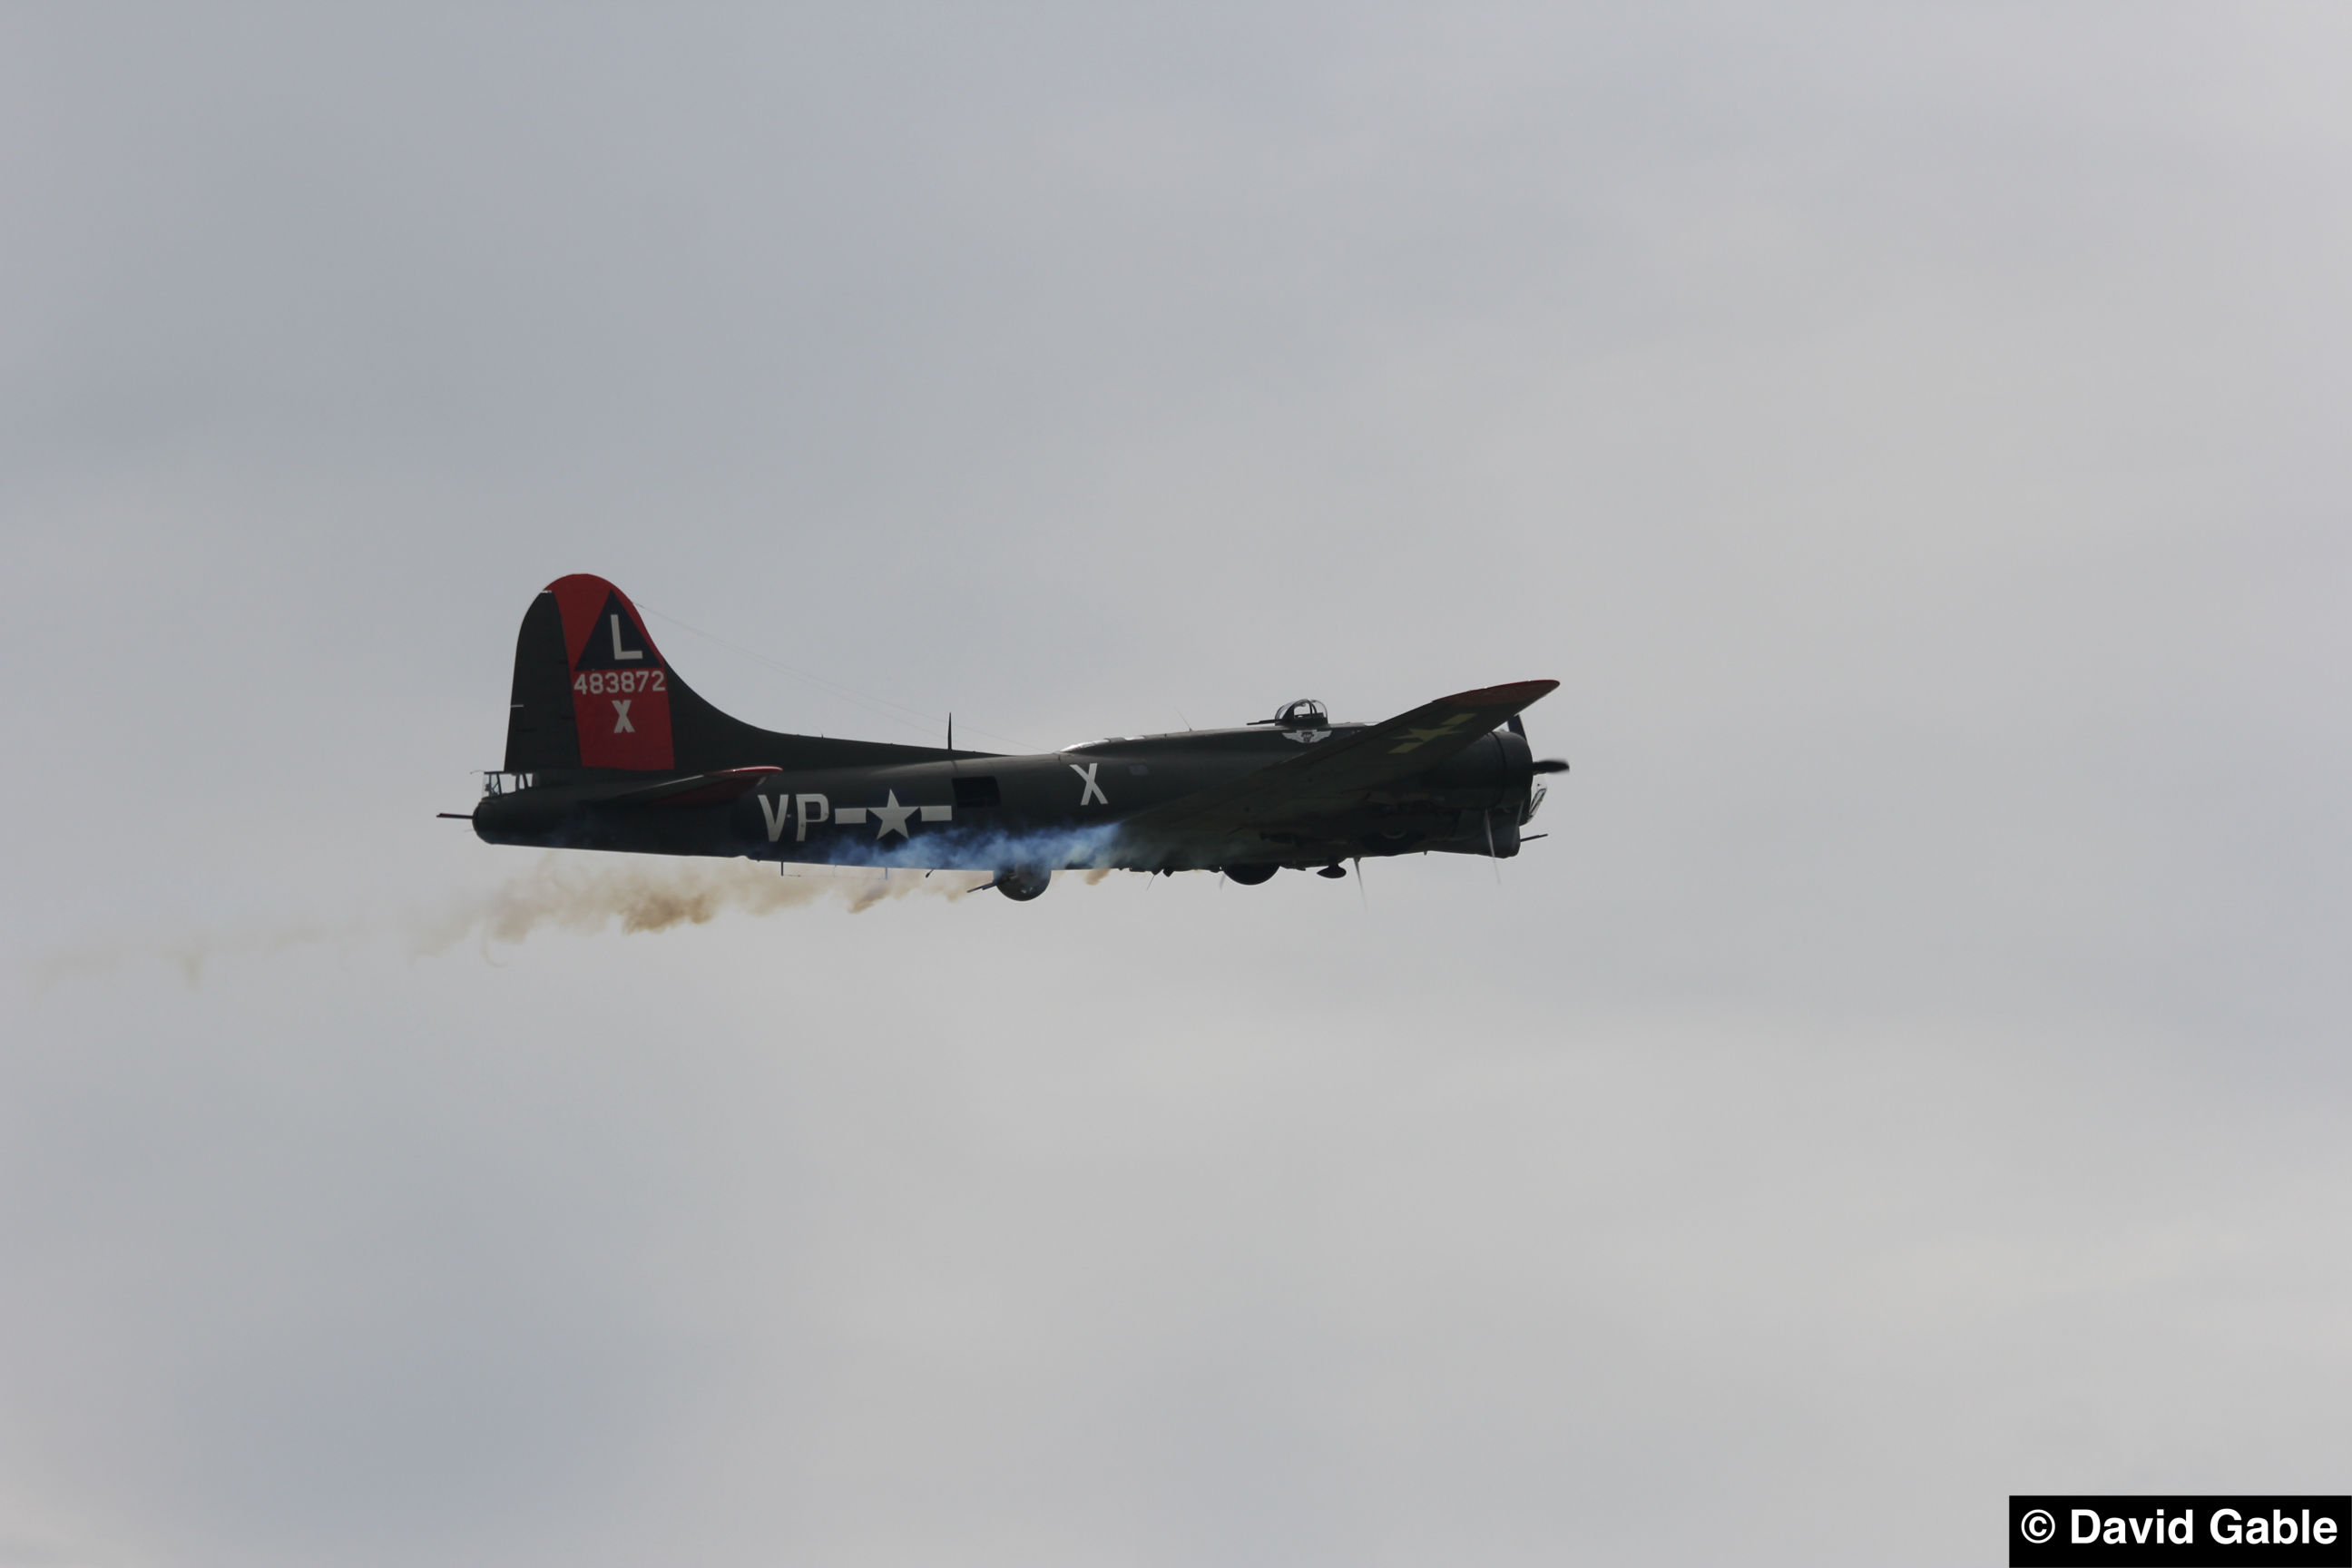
(1251, 875)
(1021, 884)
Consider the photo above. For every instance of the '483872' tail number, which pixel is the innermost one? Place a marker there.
(597, 682)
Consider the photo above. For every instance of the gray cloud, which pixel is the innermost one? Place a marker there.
(1906, 1075)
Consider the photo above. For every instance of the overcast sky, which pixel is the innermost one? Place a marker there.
(1912, 1071)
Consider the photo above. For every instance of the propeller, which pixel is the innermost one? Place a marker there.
(1517, 726)
(1535, 791)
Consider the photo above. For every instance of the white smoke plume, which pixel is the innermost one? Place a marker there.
(559, 892)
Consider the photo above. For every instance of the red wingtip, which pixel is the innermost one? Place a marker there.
(1512, 694)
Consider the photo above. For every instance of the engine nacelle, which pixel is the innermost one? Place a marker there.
(1022, 883)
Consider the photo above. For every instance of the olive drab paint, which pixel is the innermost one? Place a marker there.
(608, 749)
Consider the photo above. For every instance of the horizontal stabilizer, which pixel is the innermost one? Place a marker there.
(697, 789)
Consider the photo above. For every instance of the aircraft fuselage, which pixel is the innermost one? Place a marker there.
(970, 811)
(608, 749)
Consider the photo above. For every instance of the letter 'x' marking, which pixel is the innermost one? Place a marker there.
(1092, 794)
(621, 725)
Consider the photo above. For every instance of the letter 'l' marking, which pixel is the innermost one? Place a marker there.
(621, 725)
(1092, 794)
(618, 651)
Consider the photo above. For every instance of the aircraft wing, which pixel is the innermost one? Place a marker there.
(1337, 775)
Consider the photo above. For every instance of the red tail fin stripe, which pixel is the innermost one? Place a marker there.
(581, 598)
(620, 692)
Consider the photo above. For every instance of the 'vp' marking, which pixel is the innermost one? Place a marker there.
(777, 811)
(1092, 794)
(621, 725)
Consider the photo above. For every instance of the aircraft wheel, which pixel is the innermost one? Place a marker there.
(1020, 884)
(1251, 875)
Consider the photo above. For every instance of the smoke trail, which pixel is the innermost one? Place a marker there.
(1094, 849)
(560, 893)
(190, 952)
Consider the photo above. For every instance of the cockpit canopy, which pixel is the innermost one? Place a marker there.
(1304, 714)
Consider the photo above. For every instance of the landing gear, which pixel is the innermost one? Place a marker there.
(1334, 869)
(1251, 875)
(1021, 883)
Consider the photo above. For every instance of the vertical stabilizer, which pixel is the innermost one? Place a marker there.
(590, 689)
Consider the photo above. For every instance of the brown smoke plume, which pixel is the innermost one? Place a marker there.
(560, 893)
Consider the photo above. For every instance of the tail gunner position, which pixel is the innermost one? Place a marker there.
(607, 749)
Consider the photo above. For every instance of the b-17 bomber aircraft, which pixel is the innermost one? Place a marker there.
(608, 749)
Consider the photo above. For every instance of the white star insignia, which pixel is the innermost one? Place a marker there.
(890, 818)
